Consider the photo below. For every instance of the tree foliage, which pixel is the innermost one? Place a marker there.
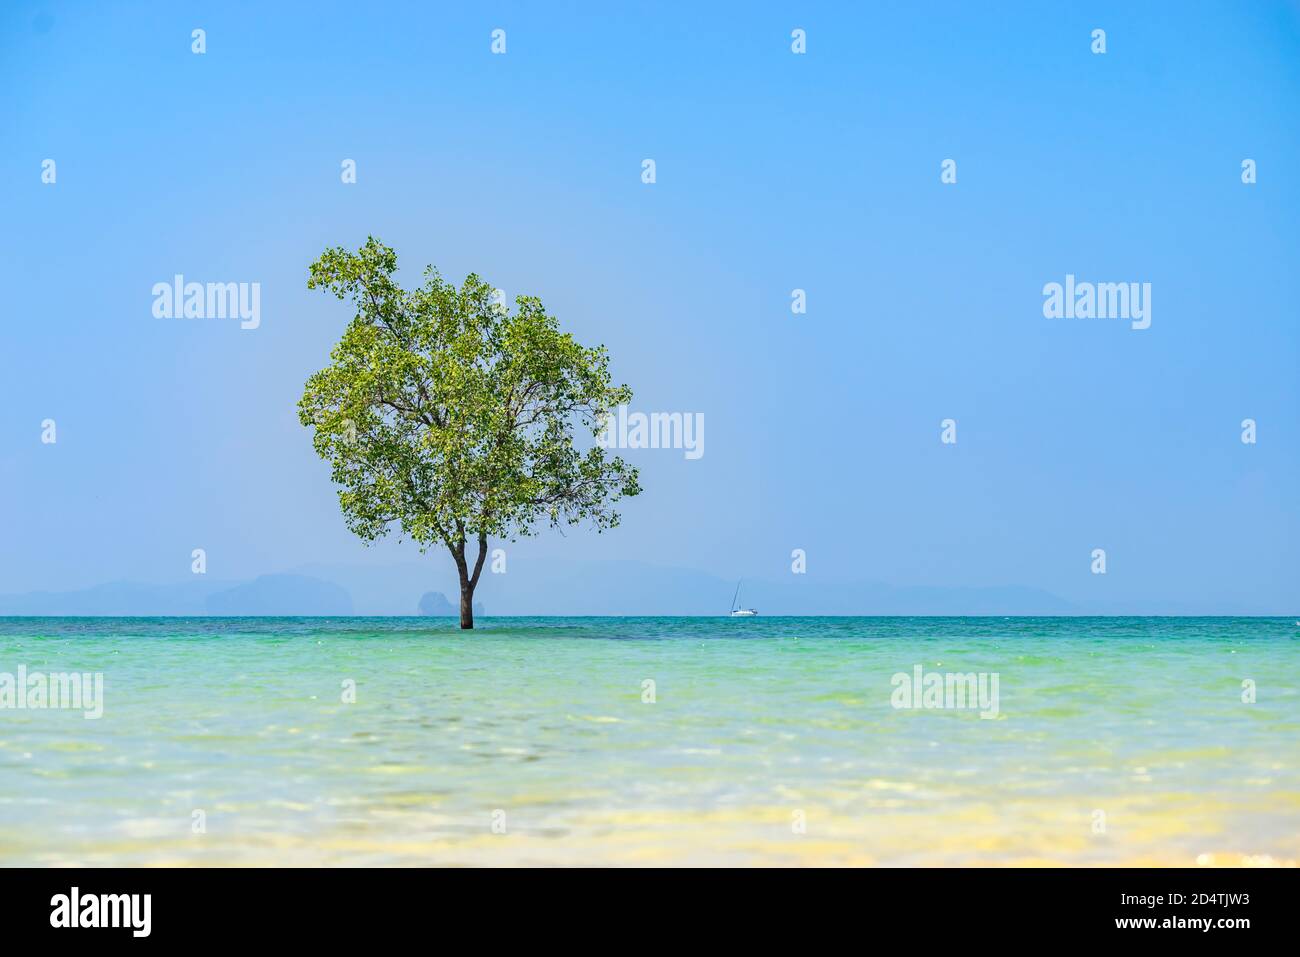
(446, 414)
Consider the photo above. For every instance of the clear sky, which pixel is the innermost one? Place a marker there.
(775, 171)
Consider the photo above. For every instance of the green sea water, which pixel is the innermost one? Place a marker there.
(761, 741)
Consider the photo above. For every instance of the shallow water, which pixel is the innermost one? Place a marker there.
(770, 741)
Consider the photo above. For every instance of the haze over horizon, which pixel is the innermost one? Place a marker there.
(560, 587)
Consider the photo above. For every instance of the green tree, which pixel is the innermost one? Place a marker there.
(445, 414)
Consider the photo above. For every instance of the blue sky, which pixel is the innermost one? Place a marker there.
(775, 171)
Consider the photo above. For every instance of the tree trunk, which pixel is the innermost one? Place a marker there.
(466, 603)
(468, 582)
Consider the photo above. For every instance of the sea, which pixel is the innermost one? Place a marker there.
(658, 741)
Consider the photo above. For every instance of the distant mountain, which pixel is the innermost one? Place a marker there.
(265, 595)
(281, 595)
(117, 598)
(547, 586)
(551, 586)
(637, 588)
(435, 603)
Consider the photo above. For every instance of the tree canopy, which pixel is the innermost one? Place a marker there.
(446, 414)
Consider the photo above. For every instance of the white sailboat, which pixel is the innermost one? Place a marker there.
(737, 612)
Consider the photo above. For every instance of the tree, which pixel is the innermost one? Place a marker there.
(445, 414)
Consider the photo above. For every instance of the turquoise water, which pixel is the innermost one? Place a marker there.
(769, 741)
